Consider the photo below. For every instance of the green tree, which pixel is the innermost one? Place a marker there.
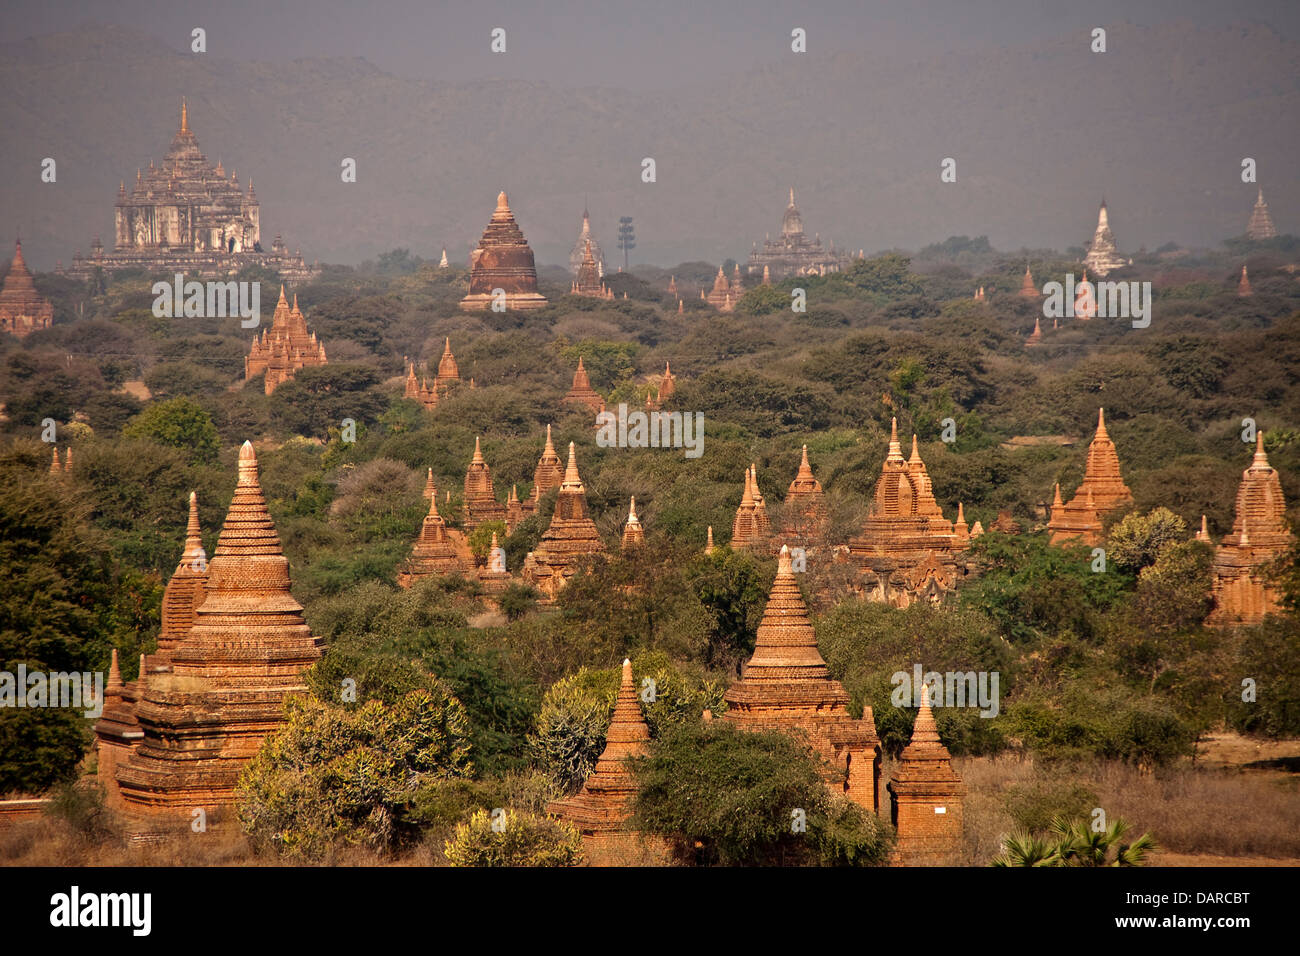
(346, 777)
(177, 423)
(514, 838)
(1138, 540)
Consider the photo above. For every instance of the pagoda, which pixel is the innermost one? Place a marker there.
(907, 550)
(117, 732)
(1103, 490)
(419, 389)
(1027, 288)
(278, 352)
(667, 386)
(480, 502)
(205, 717)
(750, 529)
(548, 474)
(602, 809)
(503, 261)
(571, 536)
(721, 297)
(803, 515)
(633, 533)
(448, 370)
(581, 392)
(926, 796)
(187, 215)
(493, 575)
(1103, 256)
(1242, 594)
(1036, 336)
(184, 592)
(1243, 284)
(793, 253)
(786, 686)
(1261, 222)
(585, 245)
(589, 282)
(438, 549)
(23, 310)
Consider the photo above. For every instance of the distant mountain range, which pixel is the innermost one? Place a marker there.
(1158, 125)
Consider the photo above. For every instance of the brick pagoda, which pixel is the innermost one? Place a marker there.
(288, 345)
(1103, 490)
(503, 260)
(23, 310)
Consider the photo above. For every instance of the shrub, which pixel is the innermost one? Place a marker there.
(517, 839)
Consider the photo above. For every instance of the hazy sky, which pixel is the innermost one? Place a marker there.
(637, 44)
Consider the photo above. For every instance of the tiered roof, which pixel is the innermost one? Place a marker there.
(22, 309)
(581, 393)
(1241, 591)
(480, 503)
(750, 528)
(1261, 221)
(285, 347)
(787, 686)
(503, 260)
(571, 535)
(605, 801)
(804, 511)
(230, 674)
(1103, 490)
(438, 549)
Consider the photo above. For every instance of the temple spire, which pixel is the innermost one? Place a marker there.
(571, 480)
(185, 117)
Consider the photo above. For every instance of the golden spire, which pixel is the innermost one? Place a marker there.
(478, 453)
(185, 117)
(571, 480)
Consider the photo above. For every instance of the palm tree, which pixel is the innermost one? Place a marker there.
(1075, 843)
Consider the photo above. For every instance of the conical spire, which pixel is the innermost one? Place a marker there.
(708, 547)
(1204, 533)
(55, 467)
(478, 453)
(429, 490)
(1261, 458)
(786, 647)
(633, 533)
(805, 469)
(114, 686)
(571, 480)
(895, 449)
(185, 116)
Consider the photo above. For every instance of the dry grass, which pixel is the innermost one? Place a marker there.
(1190, 811)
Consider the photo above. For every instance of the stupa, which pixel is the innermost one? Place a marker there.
(721, 296)
(581, 392)
(287, 346)
(571, 536)
(907, 550)
(1103, 256)
(117, 732)
(548, 474)
(206, 717)
(588, 282)
(503, 261)
(1027, 288)
(926, 796)
(438, 549)
(633, 533)
(1103, 490)
(1261, 222)
(750, 527)
(1242, 594)
(786, 686)
(23, 310)
(1036, 336)
(586, 241)
(602, 808)
(493, 575)
(419, 389)
(184, 592)
(803, 514)
(448, 370)
(480, 503)
(1243, 284)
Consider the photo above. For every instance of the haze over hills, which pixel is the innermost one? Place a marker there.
(1158, 125)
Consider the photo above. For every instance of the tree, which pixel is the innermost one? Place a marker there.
(1073, 842)
(1138, 540)
(319, 397)
(514, 838)
(734, 797)
(335, 776)
(177, 423)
